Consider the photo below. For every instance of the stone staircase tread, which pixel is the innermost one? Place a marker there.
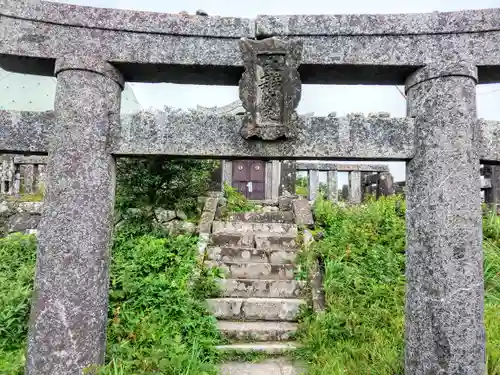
(258, 331)
(270, 347)
(267, 288)
(234, 325)
(272, 366)
(255, 308)
(250, 248)
(254, 270)
(243, 263)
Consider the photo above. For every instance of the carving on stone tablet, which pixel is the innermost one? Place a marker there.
(270, 88)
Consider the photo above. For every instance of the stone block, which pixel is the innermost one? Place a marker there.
(22, 222)
(238, 270)
(262, 288)
(285, 203)
(271, 309)
(273, 241)
(257, 331)
(303, 213)
(253, 255)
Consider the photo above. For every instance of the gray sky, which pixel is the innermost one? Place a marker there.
(315, 98)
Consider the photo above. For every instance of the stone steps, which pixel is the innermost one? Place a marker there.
(274, 366)
(259, 240)
(263, 217)
(241, 226)
(251, 254)
(257, 331)
(246, 270)
(254, 309)
(262, 288)
(262, 347)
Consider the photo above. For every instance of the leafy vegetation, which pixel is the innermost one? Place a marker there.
(361, 331)
(16, 278)
(156, 181)
(157, 320)
(235, 201)
(158, 323)
(301, 186)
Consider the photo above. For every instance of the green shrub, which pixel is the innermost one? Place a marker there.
(157, 181)
(235, 201)
(17, 265)
(158, 322)
(362, 329)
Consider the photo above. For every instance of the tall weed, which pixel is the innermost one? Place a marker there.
(17, 254)
(362, 329)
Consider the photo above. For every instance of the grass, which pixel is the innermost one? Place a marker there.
(361, 331)
(158, 323)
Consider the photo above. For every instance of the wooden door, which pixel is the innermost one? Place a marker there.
(249, 178)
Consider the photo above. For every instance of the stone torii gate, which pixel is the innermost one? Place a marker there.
(439, 57)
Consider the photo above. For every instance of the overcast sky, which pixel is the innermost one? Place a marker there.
(319, 99)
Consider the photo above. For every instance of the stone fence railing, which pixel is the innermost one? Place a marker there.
(21, 174)
(358, 175)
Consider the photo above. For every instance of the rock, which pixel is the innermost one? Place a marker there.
(200, 12)
(4, 208)
(188, 227)
(164, 216)
(181, 215)
(285, 203)
(266, 209)
(132, 212)
(176, 227)
(22, 222)
(222, 201)
(273, 209)
(319, 236)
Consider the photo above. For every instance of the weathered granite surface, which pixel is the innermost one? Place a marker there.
(303, 166)
(488, 133)
(67, 330)
(129, 20)
(303, 213)
(376, 24)
(24, 131)
(208, 214)
(204, 49)
(354, 136)
(196, 134)
(444, 270)
(270, 88)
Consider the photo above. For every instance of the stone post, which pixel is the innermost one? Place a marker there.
(29, 178)
(492, 195)
(275, 181)
(355, 187)
(288, 175)
(444, 270)
(313, 184)
(227, 173)
(331, 181)
(67, 330)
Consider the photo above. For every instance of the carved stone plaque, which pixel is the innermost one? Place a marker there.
(270, 88)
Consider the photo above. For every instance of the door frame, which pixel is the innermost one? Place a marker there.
(272, 177)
